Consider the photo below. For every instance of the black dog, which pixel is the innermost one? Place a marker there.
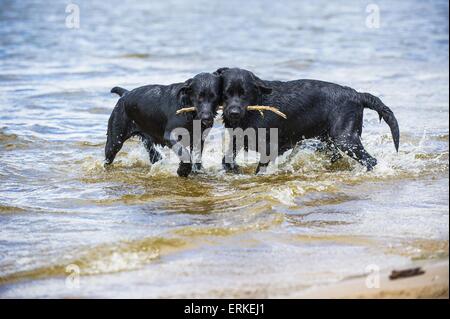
(150, 112)
(314, 109)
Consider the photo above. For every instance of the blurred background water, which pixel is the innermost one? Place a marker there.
(138, 230)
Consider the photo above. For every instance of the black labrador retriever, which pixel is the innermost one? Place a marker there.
(314, 109)
(150, 112)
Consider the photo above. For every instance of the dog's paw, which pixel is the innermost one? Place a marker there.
(231, 168)
(184, 169)
(335, 157)
(370, 164)
(107, 164)
(261, 169)
(155, 157)
(197, 168)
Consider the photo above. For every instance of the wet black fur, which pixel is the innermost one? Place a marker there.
(150, 113)
(314, 109)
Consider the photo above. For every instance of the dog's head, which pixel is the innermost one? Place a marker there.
(241, 88)
(204, 94)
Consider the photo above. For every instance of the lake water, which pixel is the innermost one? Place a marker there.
(137, 230)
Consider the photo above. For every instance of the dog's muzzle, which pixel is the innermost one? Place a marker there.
(207, 119)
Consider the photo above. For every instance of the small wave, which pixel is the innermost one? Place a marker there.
(107, 258)
(5, 137)
(99, 110)
(335, 239)
(419, 249)
(251, 222)
(10, 141)
(88, 144)
(135, 56)
(5, 209)
(66, 94)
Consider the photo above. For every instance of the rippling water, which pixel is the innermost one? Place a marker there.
(137, 230)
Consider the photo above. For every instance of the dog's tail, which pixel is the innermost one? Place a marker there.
(385, 113)
(119, 91)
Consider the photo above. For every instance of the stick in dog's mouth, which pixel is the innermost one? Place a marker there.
(259, 108)
(186, 110)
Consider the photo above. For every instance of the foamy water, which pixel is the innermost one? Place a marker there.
(136, 229)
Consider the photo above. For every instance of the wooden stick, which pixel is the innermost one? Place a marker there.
(396, 274)
(266, 108)
(186, 110)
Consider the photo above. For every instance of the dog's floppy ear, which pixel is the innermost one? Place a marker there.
(263, 88)
(220, 71)
(184, 93)
(221, 94)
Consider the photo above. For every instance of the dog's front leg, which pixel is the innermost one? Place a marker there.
(271, 152)
(229, 159)
(197, 155)
(197, 146)
(171, 138)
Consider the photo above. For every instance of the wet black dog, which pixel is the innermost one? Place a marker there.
(150, 113)
(314, 109)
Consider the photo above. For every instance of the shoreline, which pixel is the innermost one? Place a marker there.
(432, 284)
